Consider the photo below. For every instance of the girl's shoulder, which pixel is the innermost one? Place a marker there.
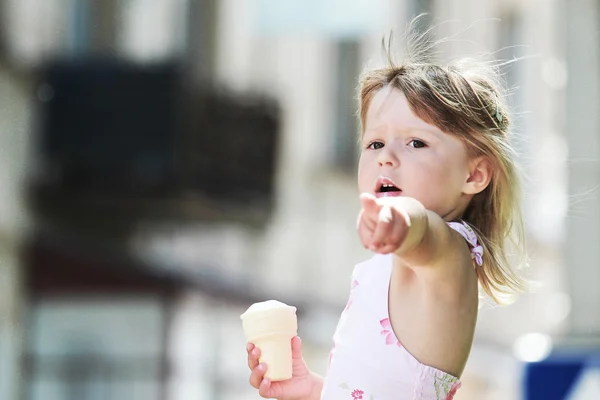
(465, 230)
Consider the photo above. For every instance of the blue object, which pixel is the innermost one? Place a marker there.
(554, 378)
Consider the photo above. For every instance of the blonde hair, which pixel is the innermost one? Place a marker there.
(464, 99)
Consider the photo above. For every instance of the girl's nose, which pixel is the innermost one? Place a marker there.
(387, 157)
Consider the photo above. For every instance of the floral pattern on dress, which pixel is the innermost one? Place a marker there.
(453, 390)
(390, 336)
(446, 386)
(355, 394)
(348, 305)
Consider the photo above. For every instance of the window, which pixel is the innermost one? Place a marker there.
(37, 30)
(152, 30)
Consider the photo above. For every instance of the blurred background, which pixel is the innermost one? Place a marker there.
(166, 163)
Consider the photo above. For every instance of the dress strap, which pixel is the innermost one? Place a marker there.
(467, 232)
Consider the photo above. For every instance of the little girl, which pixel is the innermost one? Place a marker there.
(440, 203)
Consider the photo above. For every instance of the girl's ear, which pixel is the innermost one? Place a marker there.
(480, 175)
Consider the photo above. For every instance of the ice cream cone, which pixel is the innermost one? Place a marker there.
(271, 325)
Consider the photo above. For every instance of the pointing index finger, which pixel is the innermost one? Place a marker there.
(369, 203)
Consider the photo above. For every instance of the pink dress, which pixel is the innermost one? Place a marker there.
(367, 361)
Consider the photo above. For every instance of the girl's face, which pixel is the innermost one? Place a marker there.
(402, 155)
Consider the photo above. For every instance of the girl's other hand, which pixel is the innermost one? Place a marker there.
(300, 386)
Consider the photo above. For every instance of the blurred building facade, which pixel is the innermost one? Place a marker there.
(200, 260)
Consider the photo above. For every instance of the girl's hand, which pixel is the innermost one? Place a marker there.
(300, 387)
(381, 227)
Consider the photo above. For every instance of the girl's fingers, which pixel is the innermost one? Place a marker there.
(257, 375)
(369, 203)
(265, 389)
(365, 235)
(386, 249)
(368, 218)
(383, 230)
(363, 220)
(296, 348)
(253, 356)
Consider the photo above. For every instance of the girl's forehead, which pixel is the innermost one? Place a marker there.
(389, 107)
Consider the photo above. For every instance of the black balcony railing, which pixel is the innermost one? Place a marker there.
(113, 133)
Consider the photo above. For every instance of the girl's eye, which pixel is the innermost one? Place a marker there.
(375, 145)
(417, 144)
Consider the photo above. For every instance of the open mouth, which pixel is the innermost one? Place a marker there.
(385, 187)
